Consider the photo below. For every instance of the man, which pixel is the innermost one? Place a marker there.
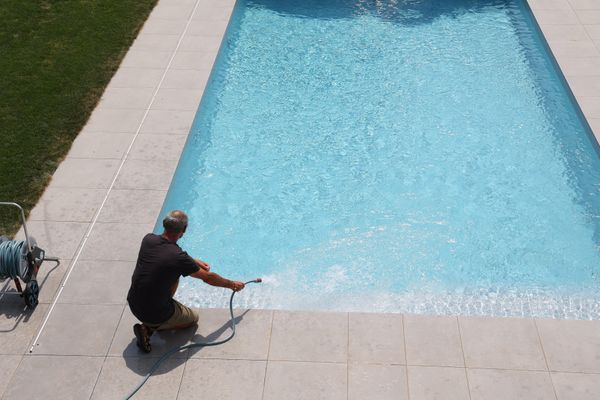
(155, 279)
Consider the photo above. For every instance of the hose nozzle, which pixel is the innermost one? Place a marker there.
(258, 280)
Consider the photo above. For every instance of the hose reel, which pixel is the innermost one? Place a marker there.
(21, 261)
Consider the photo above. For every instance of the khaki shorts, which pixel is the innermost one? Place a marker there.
(183, 315)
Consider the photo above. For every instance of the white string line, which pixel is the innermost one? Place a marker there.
(112, 184)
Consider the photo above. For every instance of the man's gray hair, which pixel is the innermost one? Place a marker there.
(175, 222)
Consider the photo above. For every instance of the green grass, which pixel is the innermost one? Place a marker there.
(56, 57)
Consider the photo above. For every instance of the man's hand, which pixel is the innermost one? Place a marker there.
(236, 286)
(204, 265)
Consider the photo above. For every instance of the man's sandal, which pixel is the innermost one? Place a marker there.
(143, 338)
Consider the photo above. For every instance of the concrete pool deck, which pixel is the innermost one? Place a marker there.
(108, 192)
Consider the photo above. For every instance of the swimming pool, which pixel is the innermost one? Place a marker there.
(408, 156)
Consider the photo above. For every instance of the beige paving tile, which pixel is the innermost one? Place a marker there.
(67, 205)
(157, 147)
(590, 106)
(571, 386)
(54, 378)
(309, 336)
(589, 17)
(193, 60)
(213, 13)
(115, 241)
(222, 379)
(565, 32)
(515, 343)
(214, 3)
(585, 4)
(594, 32)
(49, 279)
(549, 4)
(114, 121)
(206, 27)
(569, 49)
(132, 206)
(389, 344)
(147, 59)
(490, 384)
(146, 174)
(571, 346)
(177, 99)
(85, 173)
(301, 381)
(585, 86)
(98, 282)
(91, 145)
(179, 12)
(377, 382)
(136, 78)
(58, 239)
(168, 122)
(8, 365)
(121, 375)
(128, 98)
(563, 16)
(251, 342)
(595, 125)
(186, 79)
(18, 324)
(207, 44)
(437, 383)
(155, 42)
(580, 66)
(84, 330)
(123, 343)
(159, 26)
(433, 340)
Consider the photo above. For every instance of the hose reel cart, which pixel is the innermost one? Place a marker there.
(20, 260)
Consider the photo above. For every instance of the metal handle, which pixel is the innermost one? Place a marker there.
(8, 203)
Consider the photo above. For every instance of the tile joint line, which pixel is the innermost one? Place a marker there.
(112, 184)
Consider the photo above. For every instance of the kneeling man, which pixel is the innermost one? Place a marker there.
(159, 265)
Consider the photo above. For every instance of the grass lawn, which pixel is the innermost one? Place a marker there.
(56, 57)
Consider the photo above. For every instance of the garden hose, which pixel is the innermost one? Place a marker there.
(191, 345)
(11, 260)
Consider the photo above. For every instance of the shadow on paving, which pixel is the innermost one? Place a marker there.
(175, 339)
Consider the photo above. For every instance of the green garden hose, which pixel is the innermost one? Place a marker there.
(11, 254)
(191, 345)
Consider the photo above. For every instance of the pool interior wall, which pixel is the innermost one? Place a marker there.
(412, 157)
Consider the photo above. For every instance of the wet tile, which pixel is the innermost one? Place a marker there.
(571, 346)
(386, 346)
(157, 147)
(85, 173)
(251, 342)
(67, 205)
(309, 336)
(115, 241)
(18, 324)
(90, 330)
(114, 121)
(123, 344)
(305, 380)
(51, 378)
(98, 282)
(91, 145)
(515, 343)
(177, 99)
(377, 382)
(121, 375)
(168, 122)
(223, 380)
(132, 206)
(437, 383)
(146, 174)
(491, 384)
(570, 386)
(432, 340)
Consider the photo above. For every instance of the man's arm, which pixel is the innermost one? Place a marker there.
(214, 279)
(202, 264)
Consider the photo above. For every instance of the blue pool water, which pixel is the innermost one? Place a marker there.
(396, 156)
